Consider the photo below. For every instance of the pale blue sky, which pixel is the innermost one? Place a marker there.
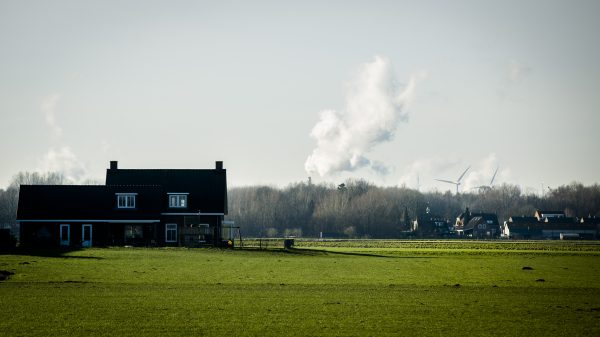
(180, 84)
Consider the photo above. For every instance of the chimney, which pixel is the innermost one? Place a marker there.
(219, 165)
(114, 165)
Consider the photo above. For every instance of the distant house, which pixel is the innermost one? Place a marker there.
(428, 225)
(549, 227)
(522, 227)
(482, 226)
(140, 207)
(477, 225)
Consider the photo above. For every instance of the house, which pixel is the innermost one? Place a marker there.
(477, 224)
(550, 227)
(139, 207)
(482, 226)
(592, 222)
(555, 228)
(522, 227)
(428, 225)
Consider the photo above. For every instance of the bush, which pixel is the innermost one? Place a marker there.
(7, 240)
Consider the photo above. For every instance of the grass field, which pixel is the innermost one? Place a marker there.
(362, 288)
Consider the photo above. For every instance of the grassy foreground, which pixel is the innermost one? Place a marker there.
(310, 291)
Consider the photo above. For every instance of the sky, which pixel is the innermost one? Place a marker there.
(394, 92)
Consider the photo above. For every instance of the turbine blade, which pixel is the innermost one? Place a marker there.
(447, 181)
(462, 175)
(494, 176)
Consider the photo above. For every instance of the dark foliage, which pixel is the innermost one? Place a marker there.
(358, 208)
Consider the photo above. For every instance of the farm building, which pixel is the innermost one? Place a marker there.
(140, 207)
(520, 227)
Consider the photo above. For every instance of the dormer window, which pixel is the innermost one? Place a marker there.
(126, 200)
(177, 200)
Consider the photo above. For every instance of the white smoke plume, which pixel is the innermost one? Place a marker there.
(48, 107)
(375, 105)
(65, 162)
(62, 160)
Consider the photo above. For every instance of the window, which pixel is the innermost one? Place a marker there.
(134, 234)
(126, 200)
(177, 200)
(65, 235)
(171, 232)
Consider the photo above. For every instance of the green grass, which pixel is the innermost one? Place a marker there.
(428, 288)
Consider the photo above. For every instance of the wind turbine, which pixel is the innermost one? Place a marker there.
(488, 187)
(457, 182)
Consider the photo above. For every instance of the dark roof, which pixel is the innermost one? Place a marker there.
(593, 220)
(560, 220)
(525, 230)
(554, 226)
(550, 212)
(87, 202)
(207, 187)
(480, 218)
(523, 220)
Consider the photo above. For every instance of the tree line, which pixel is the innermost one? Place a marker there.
(357, 208)
(354, 208)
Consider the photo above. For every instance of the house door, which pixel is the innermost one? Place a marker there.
(86, 236)
(65, 235)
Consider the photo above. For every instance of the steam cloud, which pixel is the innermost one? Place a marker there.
(61, 160)
(375, 105)
(48, 107)
(65, 162)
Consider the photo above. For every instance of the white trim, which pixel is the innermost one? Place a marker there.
(83, 241)
(66, 242)
(186, 193)
(192, 213)
(126, 197)
(87, 220)
(167, 232)
(178, 198)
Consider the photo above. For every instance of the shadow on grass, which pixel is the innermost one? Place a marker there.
(323, 252)
(48, 252)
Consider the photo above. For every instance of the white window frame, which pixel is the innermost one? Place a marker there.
(178, 197)
(173, 227)
(64, 242)
(126, 197)
(87, 243)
